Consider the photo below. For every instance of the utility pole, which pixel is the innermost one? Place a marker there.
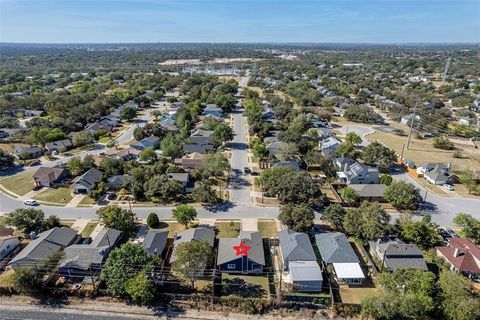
(411, 125)
(403, 149)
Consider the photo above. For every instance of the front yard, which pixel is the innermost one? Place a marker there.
(227, 229)
(171, 227)
(87, 231)
(268, 228)
(19, 184)
(55, 195)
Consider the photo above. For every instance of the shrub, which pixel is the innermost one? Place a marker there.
(443, 143)
(152, 220)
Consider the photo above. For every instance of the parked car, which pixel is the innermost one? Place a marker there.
(449, 187)
(111, 196)
(35, 163)
(36, 188)
(30, 202)
(247, 170)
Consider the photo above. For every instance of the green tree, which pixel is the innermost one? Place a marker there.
(297, 217)
(191, 258)
(111, 166)
(128, 113)
(222, 134)
(114, 217)
(215, 166)
(161, 188)
(83, 138)
(204, 193)
(458, 300)
(26, 220)
(6, 160)
(403, 195)
(298, 187)
(442, 143)
(366, 222)
(386, 179)
(467, 177)
(123, 264)
(148, 155)
(347, 150)
(141, 289)
(184, 214)
(353, 138)
(335, 214)
(423, 233)
(75, 166)
(349, 195)
(152, 220)
(171, 146)
(24, 280)
(375, 154)
(470, 226)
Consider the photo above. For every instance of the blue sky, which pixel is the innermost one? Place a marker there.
(347, 21)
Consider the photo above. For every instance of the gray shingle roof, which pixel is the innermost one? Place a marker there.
(155, 242)
(398, 255)
(89, 178)
(198, 234)
(296, 246)
(226, 253)
(335, 248)
(45, 244)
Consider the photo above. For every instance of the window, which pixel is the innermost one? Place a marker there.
(231, 266)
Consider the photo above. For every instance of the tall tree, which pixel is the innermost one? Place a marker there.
(366, 222)
(297, 217)
(335, 214)
(117, 218)
(403, 195)
(375, 154)
(184, 214)
(192, 258)
(470, 226)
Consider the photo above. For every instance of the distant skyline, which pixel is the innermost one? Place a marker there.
(331, 21)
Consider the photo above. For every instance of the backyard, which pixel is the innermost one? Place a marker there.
(19, 184)
(244, 286)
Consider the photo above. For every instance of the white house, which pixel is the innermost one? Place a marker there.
(7, 244)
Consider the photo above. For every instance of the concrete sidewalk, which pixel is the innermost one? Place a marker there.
(97, 230)
(75, 201)
(80, 224)
(249, 225)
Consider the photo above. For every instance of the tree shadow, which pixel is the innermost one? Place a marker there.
(219, 207)
(240, 287)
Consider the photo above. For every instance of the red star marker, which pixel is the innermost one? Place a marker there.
(242, 249)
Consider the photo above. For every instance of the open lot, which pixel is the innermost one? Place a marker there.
(422, 151)
(227, 229)
(55, 195)
(20, 184)
(268, 228)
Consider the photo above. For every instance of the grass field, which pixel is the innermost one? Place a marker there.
(171, 227)
(241, 285)
(87, 231)
(227, 229)
(87, 201)
(355, 295)
(67, 223)
(20, 184)
(55, 195)
(421, 151)
(268, 228)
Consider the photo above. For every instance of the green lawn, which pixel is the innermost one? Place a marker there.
(227, 229)
(171, 227)
(87, 201)
(246, 286)
(3, 220)
(67, 223)
(268, 228)
(55, 195)
(20, 184)
(87, 231)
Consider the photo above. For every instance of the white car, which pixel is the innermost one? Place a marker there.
(449, 187)
(30, 202)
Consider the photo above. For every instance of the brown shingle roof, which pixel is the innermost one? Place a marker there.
(466, 255)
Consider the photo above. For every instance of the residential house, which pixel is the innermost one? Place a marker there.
(358, 173)
(7, 245)
(43, 246)
(369, 192)
(30, 152)
(184, 179)
(97, 126)
(343, 162)
(269, 115)
(337, 251)
(394, 254)
(436, 172)
(241, 255)
(149, 142)
(212, 109)
(82, 260)
(110, 120)
(197, 148)
(462, 255)
(299, 261)
(154, 242)
(117, 182)
(275, 147)
(190, 161)
(87, 181)
(203, 234)
(125, 154)
(58, 146)
(329, 145)
(49, 177)
(201, 137)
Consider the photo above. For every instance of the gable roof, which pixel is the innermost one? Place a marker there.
(46, 243)
(194, 234)
(295, 246)
(399, 255)
(58, 144)
(462, 253)
(226, 253)
(89, 178)
(335, 248)
(155, 242)
(368, 190)
(46, 174)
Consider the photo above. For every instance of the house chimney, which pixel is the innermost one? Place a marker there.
(175, 235)
(33, 235)
(449, 166)
(456, 253)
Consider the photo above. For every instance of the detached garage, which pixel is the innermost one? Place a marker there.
(305, 276)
